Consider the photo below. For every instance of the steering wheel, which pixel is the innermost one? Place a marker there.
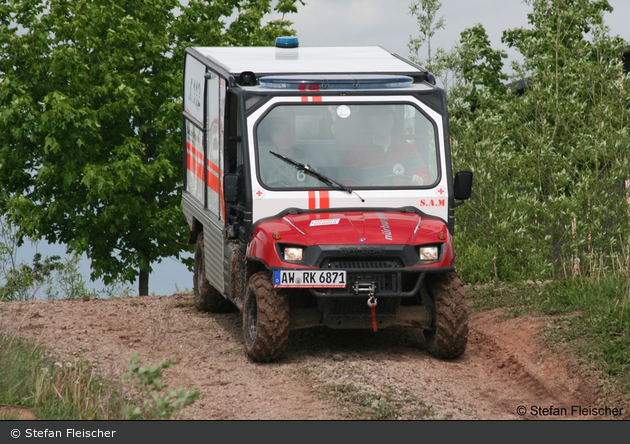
(391, 179)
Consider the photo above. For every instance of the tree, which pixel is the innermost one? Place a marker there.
(90, 142)
(425, 12)
(551, 163)
(470, 65)
(481, 66)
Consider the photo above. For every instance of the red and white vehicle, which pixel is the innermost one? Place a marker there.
(319, 191)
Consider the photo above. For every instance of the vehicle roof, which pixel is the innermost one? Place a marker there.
(341, 60)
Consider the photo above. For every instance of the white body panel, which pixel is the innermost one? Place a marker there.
(360, 59)
(268, 203)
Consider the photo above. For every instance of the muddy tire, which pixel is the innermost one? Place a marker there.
(449, 336)
(265, 319)
(207, 298)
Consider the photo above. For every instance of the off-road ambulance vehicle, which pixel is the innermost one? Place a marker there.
(319, 192)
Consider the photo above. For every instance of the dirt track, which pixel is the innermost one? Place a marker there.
(504, 366)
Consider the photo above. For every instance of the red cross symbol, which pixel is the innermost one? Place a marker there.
(259, 193)
(398, 169)
(441, 191)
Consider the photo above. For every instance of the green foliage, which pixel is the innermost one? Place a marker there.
(90, 143)
(425, 13)
(481, 66)
(48, 277)
(470, 65)
(56, 390)
(550, 160)
(53, 390)
(158, 402)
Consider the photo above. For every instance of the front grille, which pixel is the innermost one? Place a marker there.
(385, 282)
(358, 264)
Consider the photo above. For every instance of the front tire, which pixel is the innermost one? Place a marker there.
(207, 298)
(449, 336)
(265, 319)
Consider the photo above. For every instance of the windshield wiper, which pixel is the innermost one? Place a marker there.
(310, 170)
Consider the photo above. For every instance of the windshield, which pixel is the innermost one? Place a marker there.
(357, 145)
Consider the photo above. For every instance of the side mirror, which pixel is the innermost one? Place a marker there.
(463, 185)
(231, 188)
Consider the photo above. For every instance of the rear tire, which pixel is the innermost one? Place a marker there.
(265, 319)
(449, 337)
(207, 298)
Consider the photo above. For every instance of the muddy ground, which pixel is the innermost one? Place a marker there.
(324, 374)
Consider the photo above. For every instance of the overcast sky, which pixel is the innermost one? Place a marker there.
(386, 23)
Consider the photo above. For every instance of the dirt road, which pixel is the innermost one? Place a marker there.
(324, 374)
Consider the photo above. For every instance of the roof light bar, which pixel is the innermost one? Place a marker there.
(335, 81)
(287, 42)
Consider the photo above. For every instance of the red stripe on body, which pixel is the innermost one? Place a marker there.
(213, 182)
(318, 200)
(213, 166)
(311, 200)
(194, 150)
(310, 87)
(324, 200)
(194, 166)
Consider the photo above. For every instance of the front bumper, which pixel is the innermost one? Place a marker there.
(381, 282)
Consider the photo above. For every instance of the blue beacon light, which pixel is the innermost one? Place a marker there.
(287, 42)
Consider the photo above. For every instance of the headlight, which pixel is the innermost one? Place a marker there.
(292, 254)
(428, 253)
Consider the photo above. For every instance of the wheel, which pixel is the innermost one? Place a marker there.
(207, 298)
(265, 319)
(449, 335)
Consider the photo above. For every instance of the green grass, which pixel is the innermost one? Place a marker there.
(53, 390)
(590, 320)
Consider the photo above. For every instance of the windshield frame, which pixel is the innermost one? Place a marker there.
(421, 111)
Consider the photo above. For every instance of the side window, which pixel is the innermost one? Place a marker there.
(194, 90)
(194, 87)
(214, 141)
(420, 131)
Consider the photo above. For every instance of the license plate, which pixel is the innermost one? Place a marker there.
(309, 278)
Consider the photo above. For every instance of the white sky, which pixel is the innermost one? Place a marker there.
(385, 23)
(388, 23)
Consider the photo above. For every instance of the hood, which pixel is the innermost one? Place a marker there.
(369, 228)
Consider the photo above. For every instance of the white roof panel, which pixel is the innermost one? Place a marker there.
(272, 60)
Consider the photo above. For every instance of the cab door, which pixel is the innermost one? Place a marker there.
(213, 166)
(204, 104)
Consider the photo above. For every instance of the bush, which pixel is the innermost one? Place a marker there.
(158, 402)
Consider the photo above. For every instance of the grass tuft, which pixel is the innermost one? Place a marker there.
(53, 390)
